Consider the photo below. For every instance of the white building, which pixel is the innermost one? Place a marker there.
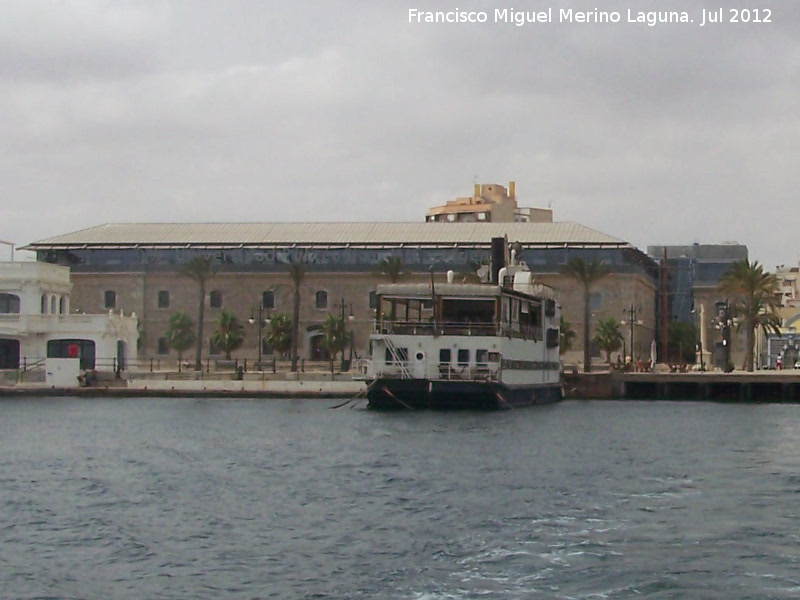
(35, 322)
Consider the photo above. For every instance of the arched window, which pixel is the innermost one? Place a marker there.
(62, 305)
(163, 299)
(110, 299)
(9, 304)
(44, 304)
(215, 299)
(53, 305)
(268, 299)
(322, 299)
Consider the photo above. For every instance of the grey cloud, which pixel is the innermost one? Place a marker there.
(343, 111)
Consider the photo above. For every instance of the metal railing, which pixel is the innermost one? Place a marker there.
(444, 372)
(527, 332)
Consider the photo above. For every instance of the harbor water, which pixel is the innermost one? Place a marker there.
(200, 498)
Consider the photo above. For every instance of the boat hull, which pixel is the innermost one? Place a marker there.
(424, 394)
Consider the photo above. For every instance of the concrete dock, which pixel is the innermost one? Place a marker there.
(738, 386)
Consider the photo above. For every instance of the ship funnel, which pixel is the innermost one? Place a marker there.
(498, 258)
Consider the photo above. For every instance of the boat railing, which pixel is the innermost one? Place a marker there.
(445, 371)
(478, 372)
(510, 330)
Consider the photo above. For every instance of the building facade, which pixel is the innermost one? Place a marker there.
(136, 268)
(692, 275)
(489, 203)
(39, 320)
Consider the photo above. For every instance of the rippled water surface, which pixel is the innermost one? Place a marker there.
(165, 498)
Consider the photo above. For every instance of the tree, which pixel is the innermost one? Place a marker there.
(608, 336)
(180, 333)
(201, 270)
(297, 271)
(279, 334)
(335, 336)
(229, 335)
(566, 336)
(391, 268)
(753, 293)
(682, 342)
(586, 274)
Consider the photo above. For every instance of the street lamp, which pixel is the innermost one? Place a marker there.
(350, 318)
(699, 336)
(262, 320)
(631, 313)
(723, 323)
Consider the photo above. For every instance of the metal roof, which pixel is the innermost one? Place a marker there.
(150, 235)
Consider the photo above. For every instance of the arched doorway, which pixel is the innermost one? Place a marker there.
(316, 347)
(9, 353)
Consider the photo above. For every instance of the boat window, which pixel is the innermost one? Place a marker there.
(463, 356)
(467, 310)
(494, 357)
(481, 356)
(530, 320)
(445, 356)
(400, 355)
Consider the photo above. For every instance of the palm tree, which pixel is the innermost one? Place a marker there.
(586, 274)
(608, 337)
(297, 271)
(229, 335)
(392, 269)
(279, 335)
(180, 334)
(201, 270)
(754, 300)
(566, 336)
(335, 337)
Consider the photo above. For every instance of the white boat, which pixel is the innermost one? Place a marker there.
(471, 346)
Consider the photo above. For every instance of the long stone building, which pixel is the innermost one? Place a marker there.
(134, 268)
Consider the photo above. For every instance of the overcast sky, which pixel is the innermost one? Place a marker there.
(226, 110)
